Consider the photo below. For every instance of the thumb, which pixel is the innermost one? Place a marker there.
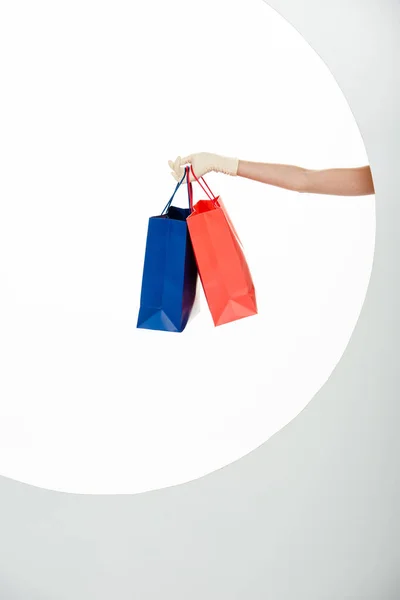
(186, 160)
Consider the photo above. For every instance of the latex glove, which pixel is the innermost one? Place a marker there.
(202, 163)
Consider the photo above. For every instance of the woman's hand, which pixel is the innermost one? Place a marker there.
(202, 163)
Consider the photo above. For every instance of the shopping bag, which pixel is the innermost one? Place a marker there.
(169, 271)
(224, 273)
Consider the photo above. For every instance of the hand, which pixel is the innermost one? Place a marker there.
(202, 163)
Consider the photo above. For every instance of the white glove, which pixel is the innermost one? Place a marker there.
(203, 163)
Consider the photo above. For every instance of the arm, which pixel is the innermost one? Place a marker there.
(338, 182)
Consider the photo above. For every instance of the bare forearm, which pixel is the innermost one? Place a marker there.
(338, 182)
(285, 176)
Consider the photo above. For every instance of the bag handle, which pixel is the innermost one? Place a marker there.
(212, 197)
(178, 185)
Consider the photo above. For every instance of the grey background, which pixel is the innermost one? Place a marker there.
(313, 513)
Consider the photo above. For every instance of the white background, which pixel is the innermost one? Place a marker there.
(90, 115)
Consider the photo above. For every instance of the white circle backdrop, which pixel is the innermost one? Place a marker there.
(96, 97)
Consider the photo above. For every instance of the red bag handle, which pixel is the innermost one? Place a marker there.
(190, 189)
(212, 197)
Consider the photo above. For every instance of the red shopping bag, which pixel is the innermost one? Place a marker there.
(222, 266)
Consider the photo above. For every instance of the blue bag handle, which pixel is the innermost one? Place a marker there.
(176, 189)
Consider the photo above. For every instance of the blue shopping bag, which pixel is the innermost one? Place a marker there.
(169, 272)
